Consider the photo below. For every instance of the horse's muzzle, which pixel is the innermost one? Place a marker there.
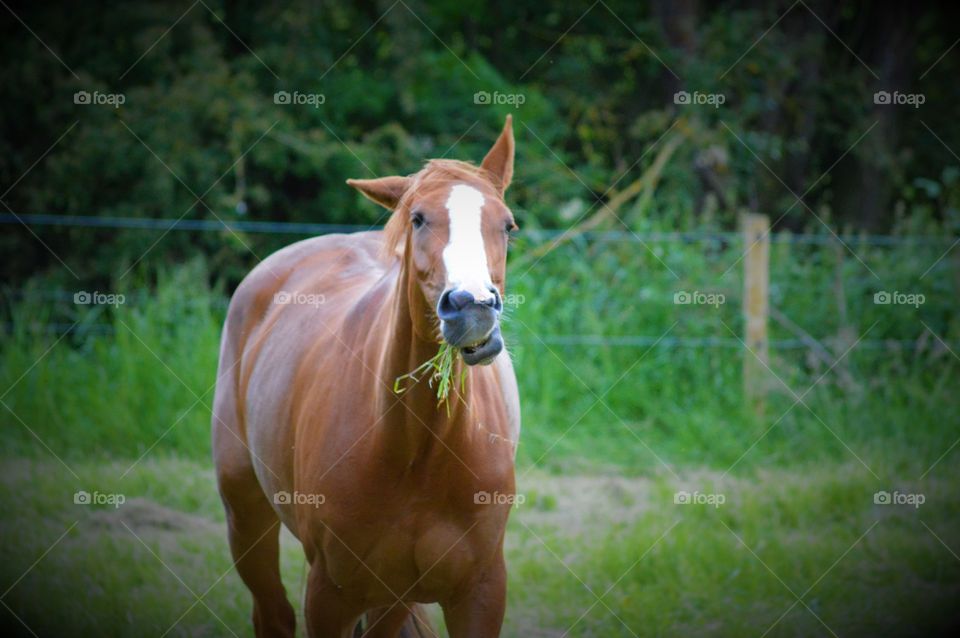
(471, 326)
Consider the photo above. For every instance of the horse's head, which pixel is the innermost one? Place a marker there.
(451, 226)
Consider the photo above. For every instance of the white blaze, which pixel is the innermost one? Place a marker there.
(465, 256)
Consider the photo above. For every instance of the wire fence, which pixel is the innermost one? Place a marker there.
(599, 341)
(82, 328)
(305, 228)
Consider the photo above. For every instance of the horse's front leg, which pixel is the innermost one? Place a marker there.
(326, 613)
(478, 612)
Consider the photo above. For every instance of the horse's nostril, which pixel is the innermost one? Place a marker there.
(452, 302)
(444, 306)
(495, 302)
(460, 299)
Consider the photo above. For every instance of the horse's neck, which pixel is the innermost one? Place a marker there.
(413, 422)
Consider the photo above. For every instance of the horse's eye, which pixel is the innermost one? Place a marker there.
(511, 227)
(417, 220)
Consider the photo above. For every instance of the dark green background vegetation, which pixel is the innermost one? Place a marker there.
(597, 79)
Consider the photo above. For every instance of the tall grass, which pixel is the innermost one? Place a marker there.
(149, 382)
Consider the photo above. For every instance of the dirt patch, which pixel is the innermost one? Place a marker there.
(144, 515)
(577, 503)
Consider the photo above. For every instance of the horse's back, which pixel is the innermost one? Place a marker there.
(317, 258)
(293, 298)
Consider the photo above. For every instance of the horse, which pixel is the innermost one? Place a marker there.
(398, 499)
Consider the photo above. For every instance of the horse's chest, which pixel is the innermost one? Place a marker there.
(415, 559)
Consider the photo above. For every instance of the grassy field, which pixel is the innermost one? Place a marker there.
(612, 434)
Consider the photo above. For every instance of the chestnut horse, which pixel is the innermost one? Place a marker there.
(396, 500)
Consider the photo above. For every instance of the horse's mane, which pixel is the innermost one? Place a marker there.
(395, 231)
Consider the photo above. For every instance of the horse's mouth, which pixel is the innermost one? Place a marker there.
(483, 352)
(473, 349)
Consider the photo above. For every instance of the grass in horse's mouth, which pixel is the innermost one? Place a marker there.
(440, 368)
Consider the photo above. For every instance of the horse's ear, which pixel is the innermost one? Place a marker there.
(499, 161)
(385, 191)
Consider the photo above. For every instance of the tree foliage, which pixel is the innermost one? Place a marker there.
(200, 135)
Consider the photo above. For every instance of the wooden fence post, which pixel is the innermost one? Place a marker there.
(756, 284)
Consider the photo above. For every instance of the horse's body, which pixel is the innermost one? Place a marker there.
(380, 488)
